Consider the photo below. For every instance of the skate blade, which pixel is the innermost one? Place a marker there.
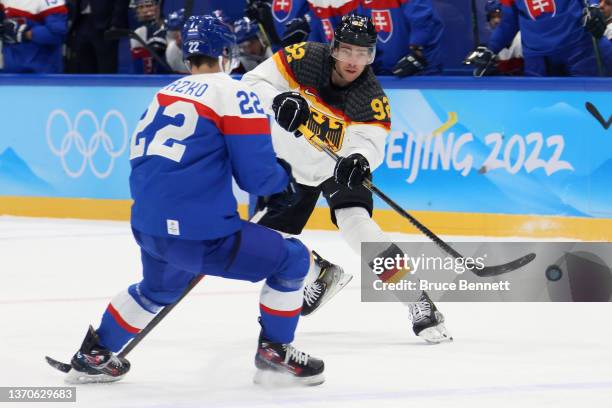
(342, 282)
(275, 379)
(436, 334)
(77, 377)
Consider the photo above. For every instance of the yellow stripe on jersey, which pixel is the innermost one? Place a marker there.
(284, 69)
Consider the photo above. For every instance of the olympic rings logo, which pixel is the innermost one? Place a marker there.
(100, 138)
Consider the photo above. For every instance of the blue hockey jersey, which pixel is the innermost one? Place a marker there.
(400, 24)
(546, 26)
(284, 11)
(325, 16)
(47, 20)
(196, 134)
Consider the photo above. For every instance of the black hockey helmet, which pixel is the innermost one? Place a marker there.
(355, 30)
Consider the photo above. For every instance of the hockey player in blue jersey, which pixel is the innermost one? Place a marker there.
(556, 36)
(409, 36)
(32, 32)
(196, 134)
(253, 45)
(274, 16)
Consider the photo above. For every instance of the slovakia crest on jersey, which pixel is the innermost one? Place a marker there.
(328, 29)
(536, 8)
(281, 9)
(383, 24)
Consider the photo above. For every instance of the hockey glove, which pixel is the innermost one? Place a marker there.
(411, 64)
(296, 31)
(290, 110)
(13, 32)
(285, 199)
(351, 171)
(483, 60)
(156, 38)
(261, 11)
(594, 21)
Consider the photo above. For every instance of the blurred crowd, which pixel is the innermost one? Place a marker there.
(528, 37)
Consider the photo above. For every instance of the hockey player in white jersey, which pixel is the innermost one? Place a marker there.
(198, 133)
(333, 90)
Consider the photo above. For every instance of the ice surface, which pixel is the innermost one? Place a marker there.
(58, 276)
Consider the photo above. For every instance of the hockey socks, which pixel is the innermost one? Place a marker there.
(280, 311)
(126, 315)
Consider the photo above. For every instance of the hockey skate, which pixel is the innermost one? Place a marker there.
(96, 364)
(427, 321)
(330, 281)
(284, 365)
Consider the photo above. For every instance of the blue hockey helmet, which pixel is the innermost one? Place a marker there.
(492, 6)
(176, 20)
(209, 36)
(245, 29)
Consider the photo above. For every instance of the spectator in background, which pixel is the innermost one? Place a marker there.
(32, 34)
(149, 51)
(253, 48)
(88, 51)
(556, 36)
(174, 51)
(409, 37)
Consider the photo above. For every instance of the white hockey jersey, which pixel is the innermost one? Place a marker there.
(355, 119)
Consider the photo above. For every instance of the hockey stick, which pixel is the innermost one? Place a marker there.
(141, 335)
(188, 8)
(596, 50)
(118, 33)
(475, 28)
(484, 272)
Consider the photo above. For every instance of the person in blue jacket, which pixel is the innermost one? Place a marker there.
(409, 37)
(197, 134)
(557, 36)
(33, 33)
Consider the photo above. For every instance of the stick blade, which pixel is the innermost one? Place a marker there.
(505, 268)
(58, 365)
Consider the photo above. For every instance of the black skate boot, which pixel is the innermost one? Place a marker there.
(330, 281)
(427, 321)
(94, 363)
(283, 365)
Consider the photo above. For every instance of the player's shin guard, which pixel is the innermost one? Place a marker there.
(126, 315)
(280, 312)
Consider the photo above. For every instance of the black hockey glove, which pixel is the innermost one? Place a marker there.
(156, 39)
(594, 21)
(296, 31)
(261, 12)
(285, 199)
(13, 32)
(352, 170)
(483, 60)
(290, 110)
(411, 64)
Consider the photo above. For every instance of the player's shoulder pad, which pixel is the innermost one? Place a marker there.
(367, 101)
(307, 62)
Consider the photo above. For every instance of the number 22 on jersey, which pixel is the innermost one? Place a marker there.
(157, 146)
